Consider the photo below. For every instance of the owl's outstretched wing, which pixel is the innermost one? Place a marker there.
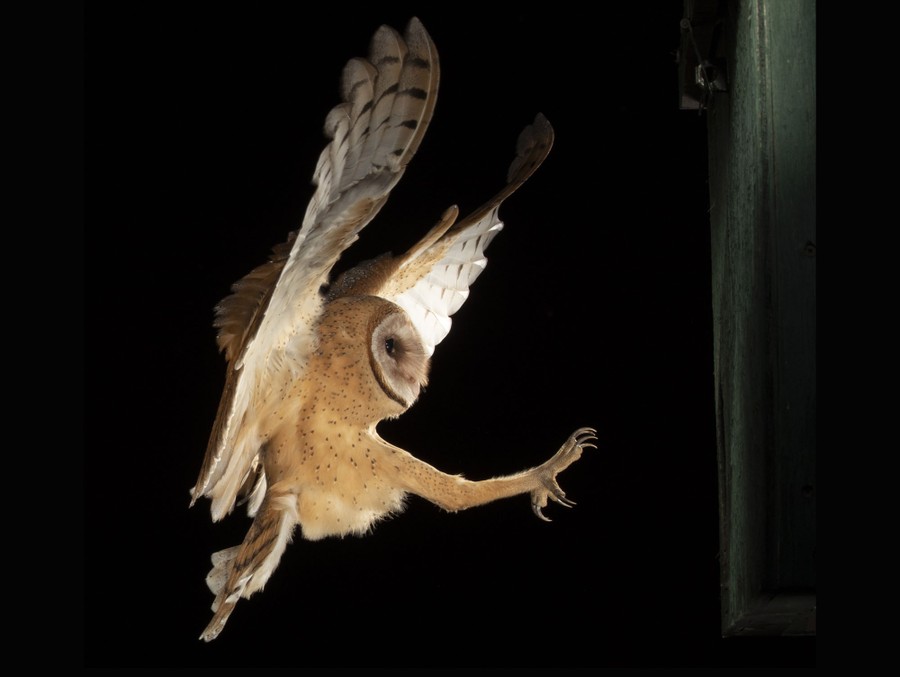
(431, 281)
(266, 324)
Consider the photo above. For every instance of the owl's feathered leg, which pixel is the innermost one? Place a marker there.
(454, 493)
(242, 570)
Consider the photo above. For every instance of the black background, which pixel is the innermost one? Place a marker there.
(594, 311)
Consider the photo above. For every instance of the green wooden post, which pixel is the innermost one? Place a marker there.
(762, 163)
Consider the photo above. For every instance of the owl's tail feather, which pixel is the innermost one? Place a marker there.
(243, 569)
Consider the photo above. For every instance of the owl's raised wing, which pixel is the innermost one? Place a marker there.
(266, 324)
(431, 281)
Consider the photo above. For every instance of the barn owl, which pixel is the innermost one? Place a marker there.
(313, 365)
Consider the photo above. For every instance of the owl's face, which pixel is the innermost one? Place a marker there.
(370, 346)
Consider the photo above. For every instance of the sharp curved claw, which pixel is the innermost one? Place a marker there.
(584, 436)
(562, 500)
(537, 511)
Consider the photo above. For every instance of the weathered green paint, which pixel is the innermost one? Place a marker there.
(762, 155)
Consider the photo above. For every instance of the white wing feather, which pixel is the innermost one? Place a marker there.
(433, 279)
(443, 290)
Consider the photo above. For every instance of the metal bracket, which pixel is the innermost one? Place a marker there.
(701, 73)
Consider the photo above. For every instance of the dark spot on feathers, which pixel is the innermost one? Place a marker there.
(416, 93)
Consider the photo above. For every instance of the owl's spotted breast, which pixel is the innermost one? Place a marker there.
(337, 476)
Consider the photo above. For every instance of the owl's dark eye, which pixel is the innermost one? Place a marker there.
(389, 346)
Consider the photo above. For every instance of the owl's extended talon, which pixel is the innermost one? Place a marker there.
(568, 453)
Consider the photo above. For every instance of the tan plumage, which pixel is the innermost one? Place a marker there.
(311, 372)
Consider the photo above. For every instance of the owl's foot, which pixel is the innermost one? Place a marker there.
(568, 453)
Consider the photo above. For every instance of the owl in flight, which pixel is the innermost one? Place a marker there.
(313, 365)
